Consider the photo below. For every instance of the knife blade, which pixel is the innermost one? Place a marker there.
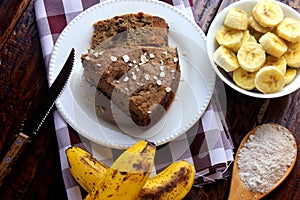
(34, 124)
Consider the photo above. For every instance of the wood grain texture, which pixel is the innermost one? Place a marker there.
(11, 157)
(23, 79)
(20, 79)
(37, 175)
(243, 114)
(286, 111)
(238, 189)
(8, 19)
(204, 12)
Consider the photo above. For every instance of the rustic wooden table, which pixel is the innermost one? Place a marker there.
(37, 175)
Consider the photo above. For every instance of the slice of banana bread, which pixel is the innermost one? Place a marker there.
(130, 29)
(141, 80)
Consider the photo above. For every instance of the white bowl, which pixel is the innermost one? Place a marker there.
(212, 45)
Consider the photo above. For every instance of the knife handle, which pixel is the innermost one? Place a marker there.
(12, 155)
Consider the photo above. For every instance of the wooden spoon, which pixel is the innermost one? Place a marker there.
(238, 189)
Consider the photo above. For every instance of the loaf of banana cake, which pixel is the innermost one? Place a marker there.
(142, 81)
(130, 62)
(130, 29)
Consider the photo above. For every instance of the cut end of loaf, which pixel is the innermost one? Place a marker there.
(131, 63)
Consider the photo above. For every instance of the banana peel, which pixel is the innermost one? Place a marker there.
(84, 167)
(174, 182)
(127, 175)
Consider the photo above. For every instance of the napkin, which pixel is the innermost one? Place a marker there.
(207, 145)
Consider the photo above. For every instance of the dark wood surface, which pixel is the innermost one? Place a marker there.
(37, 174)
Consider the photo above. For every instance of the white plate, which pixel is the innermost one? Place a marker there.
(77, 105)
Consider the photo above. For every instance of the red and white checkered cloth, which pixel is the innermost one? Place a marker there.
(207, 144)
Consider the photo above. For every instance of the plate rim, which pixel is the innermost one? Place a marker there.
(66, 117)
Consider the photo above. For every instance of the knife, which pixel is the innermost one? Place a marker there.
(34, 124)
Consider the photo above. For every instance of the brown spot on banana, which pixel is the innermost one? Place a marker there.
(92, 166)
(172, 183)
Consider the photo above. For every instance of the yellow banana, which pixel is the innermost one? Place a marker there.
(289, 29)
(269, 79)
(85, 168)
(292, 55)
(272, 44)
(229, 37)
(83, 164)
(226, 59)
(244, 79)
(251, 56)
(236, 19)
(127, 175)
(267, 13)
(173, 183)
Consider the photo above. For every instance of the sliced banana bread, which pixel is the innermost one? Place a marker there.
(130, 29)
(141, 80)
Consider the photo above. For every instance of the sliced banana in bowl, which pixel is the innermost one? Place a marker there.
(247, 59)
(244, 79)
(267, 13)
(273, 44)
(289, 29)
(269, 79)
(251, 56)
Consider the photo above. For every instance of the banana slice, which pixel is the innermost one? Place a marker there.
(226, 59)
(236, 19)
(289, 29)
(246, 38)
(244, 79)
(256, 26)
(228, 37)
(292, 55)
(267, 13)
(290, 75)
(280, 62)
(269, 80)
(251, 56)
(273, 44)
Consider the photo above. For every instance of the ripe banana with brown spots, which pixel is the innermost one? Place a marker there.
(84, 167)
(178, 177)
(127, 175)
(173, 183)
